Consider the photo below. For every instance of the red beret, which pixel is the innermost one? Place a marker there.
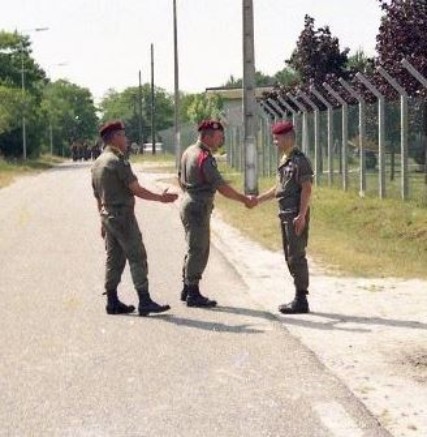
(111, 126)
(210, 125)
(282, 127)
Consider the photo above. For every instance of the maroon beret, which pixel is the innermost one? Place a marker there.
(111, 126)
(282, 127)
(210, 125)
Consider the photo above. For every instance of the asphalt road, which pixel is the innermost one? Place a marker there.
(68, 369)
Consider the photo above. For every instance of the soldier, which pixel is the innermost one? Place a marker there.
(199, 178)
(293, 191)
(115, 187)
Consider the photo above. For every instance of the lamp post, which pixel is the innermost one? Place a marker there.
(24, 134)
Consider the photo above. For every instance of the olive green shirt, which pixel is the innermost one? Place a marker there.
(294, 169)
(198, 173)
(111, 176)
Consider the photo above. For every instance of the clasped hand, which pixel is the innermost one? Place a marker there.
(251, 201)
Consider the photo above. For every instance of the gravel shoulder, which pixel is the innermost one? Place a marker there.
(370, 332)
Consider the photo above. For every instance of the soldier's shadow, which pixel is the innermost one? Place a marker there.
(247, 312)
(328, 321)
(219, 327)
(336, 321)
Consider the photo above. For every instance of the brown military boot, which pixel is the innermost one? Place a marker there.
(195, 299)
(298, 306)
(114, 306)
(147, 305)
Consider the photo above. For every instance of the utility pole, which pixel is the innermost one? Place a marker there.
(249, 100)
(153, 105)
(176, 75)
(141, 146)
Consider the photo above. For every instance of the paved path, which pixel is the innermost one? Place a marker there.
(68, 369)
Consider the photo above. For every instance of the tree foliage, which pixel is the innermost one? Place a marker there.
(202, 106)
(128, 104)
(70, 111)
(403, 34)
(65, 107)
(317, 54)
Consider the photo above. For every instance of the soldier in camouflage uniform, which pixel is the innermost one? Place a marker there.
(293, 191)
(115, 187)
(200, 178)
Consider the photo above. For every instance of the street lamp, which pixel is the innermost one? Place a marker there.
(24, 134)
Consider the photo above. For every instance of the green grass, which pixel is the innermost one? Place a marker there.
(349, 235)
(11, 169)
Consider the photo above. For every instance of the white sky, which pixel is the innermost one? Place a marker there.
(105, 43)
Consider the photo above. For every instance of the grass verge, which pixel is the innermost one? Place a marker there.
(11, 169)
(349, 235)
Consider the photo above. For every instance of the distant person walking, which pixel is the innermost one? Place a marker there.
(200, 178)
(293, 192)
(115, 187)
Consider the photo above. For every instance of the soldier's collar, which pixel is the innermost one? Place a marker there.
(115, 150)
(287, 155)
(203, 146)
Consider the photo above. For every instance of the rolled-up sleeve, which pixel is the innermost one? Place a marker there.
(305, 172)
(212, 174)
(125, 173)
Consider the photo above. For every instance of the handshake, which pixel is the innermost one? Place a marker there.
(250, 201)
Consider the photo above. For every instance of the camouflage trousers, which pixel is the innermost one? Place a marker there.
(195, 217)
(123, 241)
(294, 248)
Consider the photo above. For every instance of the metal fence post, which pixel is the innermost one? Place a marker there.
(344, 114)
(329, 107)
(303, 109)
(414, 72)
(403, 131)
(362, 134)
(381, 131)
(277, 108)
(317, 155)
(423, 81)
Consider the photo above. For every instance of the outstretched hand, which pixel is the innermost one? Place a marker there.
(168, 197)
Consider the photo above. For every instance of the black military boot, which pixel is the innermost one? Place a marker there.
(195, 299)
(114, 306)
(184, 292)
(147, 305)
(298, 306)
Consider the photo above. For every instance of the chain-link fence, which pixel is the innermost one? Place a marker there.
(374, 149)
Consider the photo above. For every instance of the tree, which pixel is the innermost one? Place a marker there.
(204, 106)
(70, 111)
(317, 54)
(287, 77)
(15, 58)
(403, 34)
(359, 62)
(125, 106)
